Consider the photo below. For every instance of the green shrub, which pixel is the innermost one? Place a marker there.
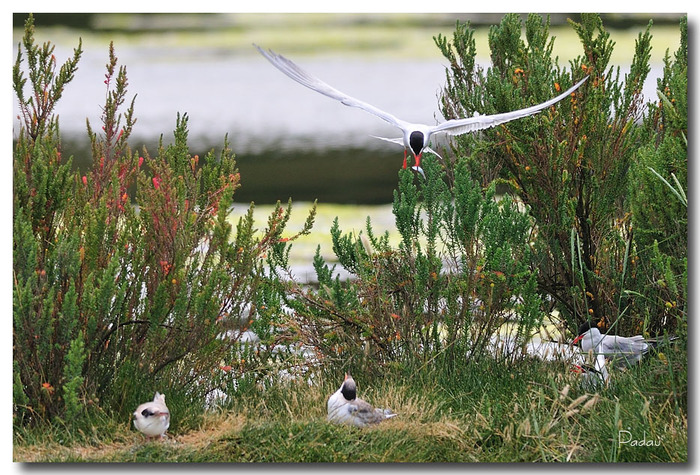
(659, 203)
(128, 277)
(572, 164)
(465, 265)
(459, 272)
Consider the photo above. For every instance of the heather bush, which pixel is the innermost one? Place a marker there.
(128, 277)
(575, 164)
(659, 203)
(465, 266)
(459, 272)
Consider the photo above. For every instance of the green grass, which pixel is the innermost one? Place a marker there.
(531, 411)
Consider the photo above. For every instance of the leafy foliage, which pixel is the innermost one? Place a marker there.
(128, 278)
(459, 272)
(571, 164)
(658, 199)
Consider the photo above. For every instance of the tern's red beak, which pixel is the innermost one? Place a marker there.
(576, 340)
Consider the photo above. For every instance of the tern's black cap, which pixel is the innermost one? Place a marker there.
(349, 389)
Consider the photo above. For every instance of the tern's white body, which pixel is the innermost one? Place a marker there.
(622, 351)
(152, 418)
(344, 407)
(415, 137)
(595, 375)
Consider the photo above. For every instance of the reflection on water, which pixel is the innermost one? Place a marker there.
(332, 176)
(352, 219)
(350, 176)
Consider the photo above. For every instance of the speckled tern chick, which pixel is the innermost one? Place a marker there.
(153, 418)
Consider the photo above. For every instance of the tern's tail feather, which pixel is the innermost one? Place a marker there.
(656, 343)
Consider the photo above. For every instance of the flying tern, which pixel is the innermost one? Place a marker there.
(416, 137)
(153, 418)
(344, 407)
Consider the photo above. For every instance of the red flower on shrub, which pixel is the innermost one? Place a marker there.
(165, 266)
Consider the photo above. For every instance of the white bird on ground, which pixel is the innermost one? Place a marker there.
(620, 350)
(416, 137)
(593, 375)
(344, 407)
(153, 418)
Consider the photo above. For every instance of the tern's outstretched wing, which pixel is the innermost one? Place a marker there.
(471, 124)
(305, 79)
